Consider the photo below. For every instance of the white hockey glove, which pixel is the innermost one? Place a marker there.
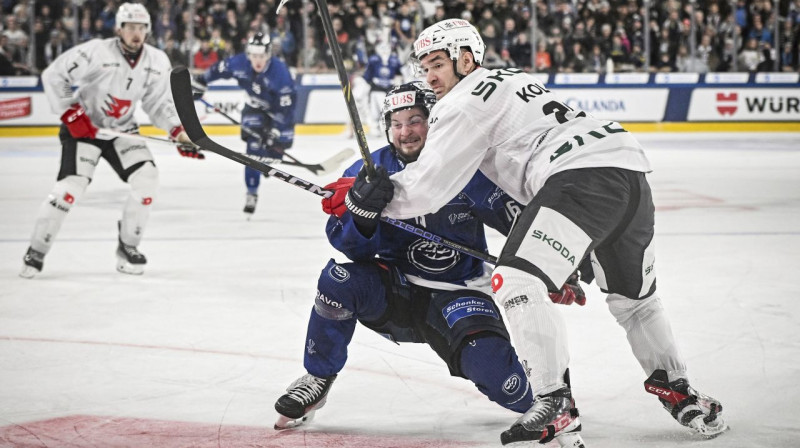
(185, 146)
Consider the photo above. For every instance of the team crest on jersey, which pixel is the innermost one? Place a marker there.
(511, 384)
(116, 107)
(256, 88)
(430, 257)
(338, 273)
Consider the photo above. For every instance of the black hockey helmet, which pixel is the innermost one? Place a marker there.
(260, 43)
(406, 96)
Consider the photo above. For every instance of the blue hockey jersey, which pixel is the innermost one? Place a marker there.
(381, 75)
(461, 220)
(272, 91)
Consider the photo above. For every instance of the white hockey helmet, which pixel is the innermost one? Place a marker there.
(450, 35)
(406, 96)
(132, 13)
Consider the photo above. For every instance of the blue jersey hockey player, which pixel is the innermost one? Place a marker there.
(268, 114)
(382, 68)
(405, 287)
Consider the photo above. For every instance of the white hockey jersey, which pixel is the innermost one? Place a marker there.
(109, 88)
(511, 127)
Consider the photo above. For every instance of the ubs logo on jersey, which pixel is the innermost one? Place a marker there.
(430, 257)
(115, 107)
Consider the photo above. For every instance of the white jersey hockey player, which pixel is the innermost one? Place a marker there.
(112, 76)
(583, 180)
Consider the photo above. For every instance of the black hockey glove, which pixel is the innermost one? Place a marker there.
(199, 87)
(367, 199)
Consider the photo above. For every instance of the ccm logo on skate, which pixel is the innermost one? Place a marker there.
(555, 244)
(497, 282)
(658, 391)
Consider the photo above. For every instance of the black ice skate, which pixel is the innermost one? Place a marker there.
(302, 399)
(129, 259)
(33, 262)
(552, 416)
(250, 202)
(689, 407)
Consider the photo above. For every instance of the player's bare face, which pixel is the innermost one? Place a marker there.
(132, 36)
(438, 70)
(409, 130)
(258, 61)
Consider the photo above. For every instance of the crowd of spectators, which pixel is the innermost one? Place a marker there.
(570, 35)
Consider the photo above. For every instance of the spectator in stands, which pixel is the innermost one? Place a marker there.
(750, 57)
(576, 59)
(205, 57)
(521, 52)
(543, 61)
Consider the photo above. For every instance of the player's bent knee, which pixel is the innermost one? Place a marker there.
(67, 191)
(454, 318)
(144, 183)
(515, 289)
(490, 362)
(623, 308)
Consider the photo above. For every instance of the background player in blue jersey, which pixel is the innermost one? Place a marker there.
(382, 68)
(407, 288)
(268, 115)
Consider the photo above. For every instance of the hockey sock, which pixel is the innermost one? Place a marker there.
(537, 328)
(649, 334)
(144, 184)
(491, 363)
(326, 344)
(53, 211)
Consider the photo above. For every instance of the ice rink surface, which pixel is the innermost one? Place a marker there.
(195, 352)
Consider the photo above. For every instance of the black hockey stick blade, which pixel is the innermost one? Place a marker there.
(184, 103)
(319, 169)
(181, 83)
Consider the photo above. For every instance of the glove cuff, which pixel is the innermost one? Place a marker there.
(174, 132)
(358, 211)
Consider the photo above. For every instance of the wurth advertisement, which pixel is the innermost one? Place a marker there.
(744, 104)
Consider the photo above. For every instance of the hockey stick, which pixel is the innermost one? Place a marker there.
(344, 80)
(182, 94)
(320, 169)
(145, 138)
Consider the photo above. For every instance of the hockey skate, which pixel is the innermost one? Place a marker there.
(129, 259)
(552, 416)
(301, 401)
(33, 261)
(697, 411)
(250, 202)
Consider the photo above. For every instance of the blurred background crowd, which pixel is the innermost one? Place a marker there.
(563, 36)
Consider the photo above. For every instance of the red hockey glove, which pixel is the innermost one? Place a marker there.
(570, 293)
(185, 146)
(78, 123)
(334, 205)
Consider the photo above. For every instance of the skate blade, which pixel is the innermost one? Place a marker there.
(285, 422)
(709, 430)
(128, 268)
(28, 272)
(570, 440)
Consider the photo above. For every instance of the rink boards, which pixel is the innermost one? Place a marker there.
(662, 102)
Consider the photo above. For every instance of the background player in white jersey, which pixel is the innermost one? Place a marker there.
(112, 75)
(584, 184)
